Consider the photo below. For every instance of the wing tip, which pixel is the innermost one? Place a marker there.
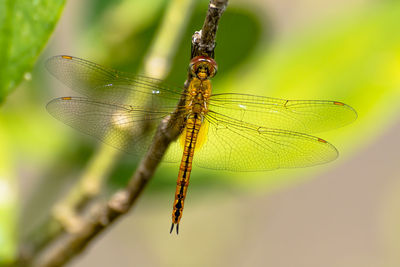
(51, 60)
(354, 112)
(58, 99)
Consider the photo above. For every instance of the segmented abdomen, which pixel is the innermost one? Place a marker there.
(193, 125)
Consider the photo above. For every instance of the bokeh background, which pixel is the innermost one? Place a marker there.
(345, 213)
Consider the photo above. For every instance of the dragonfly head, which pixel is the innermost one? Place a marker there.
(203, 67)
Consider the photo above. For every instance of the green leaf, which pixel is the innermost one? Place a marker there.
(25, 27)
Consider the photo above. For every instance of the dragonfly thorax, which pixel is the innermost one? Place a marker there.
(197, 99)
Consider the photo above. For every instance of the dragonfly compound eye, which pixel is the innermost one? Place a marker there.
(203, 67)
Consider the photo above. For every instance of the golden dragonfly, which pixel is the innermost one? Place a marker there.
(228, 131)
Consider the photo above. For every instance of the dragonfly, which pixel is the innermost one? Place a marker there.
(227, 131)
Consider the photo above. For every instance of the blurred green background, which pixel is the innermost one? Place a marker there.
(341, 214)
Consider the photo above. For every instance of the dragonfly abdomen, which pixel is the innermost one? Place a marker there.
(193, 125)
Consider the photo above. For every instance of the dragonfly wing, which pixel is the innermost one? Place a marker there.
(105, 84)
(124, 127)
(174, 152)
(305, 116)
(239, 146)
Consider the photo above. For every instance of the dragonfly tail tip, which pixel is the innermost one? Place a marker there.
(172, 228)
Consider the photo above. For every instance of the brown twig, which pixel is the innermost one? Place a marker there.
(203, 42)
(100, 217)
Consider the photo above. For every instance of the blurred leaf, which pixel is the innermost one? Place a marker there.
(239, 33)
(8, 204)
(354, 59)
(97, 8)
(25, 27)
(123, 33)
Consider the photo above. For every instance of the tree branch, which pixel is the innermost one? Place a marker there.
(70, 244)
(203, 41)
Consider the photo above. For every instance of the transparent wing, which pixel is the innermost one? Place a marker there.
(305, 116)
(124, 127)
(238, 146)
(124, 110)
(105, 84)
